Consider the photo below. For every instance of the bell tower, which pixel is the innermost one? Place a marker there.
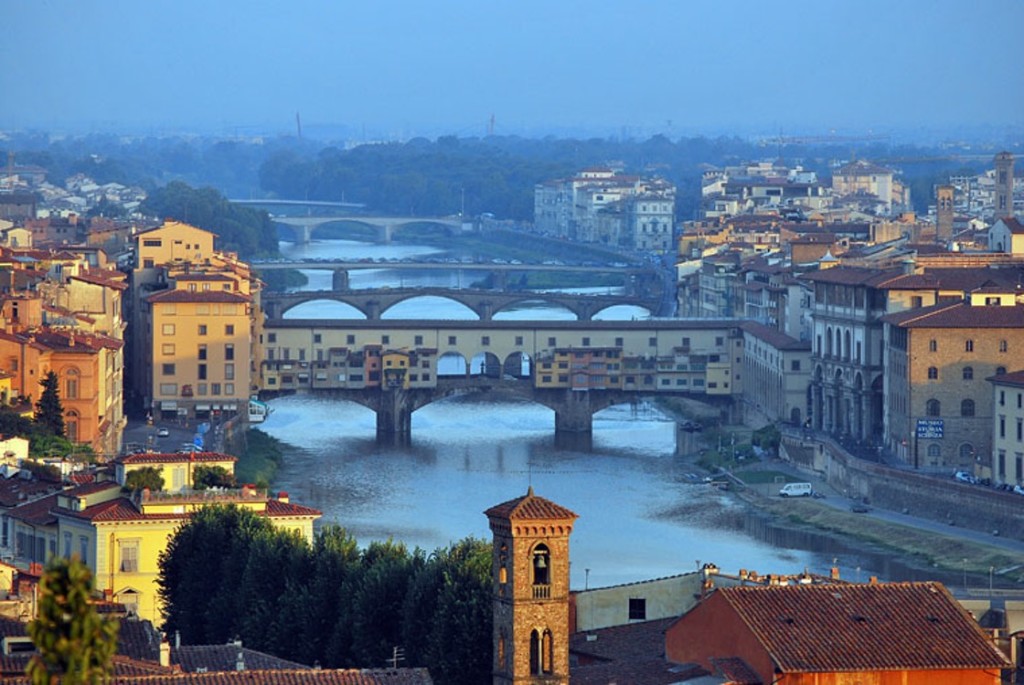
(530, 562)
(1004, 185)
(943, 213)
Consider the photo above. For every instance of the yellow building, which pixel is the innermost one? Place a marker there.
(177, 470)
(201, 347)
(200, 324)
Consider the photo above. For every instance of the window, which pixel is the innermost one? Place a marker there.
(202, 329)
(653, 342)
(933, 345)
(485, 340)
(519, 340)
(933, 408)
(934, 450)
(272, 337)
(637, 609)
(418, 340)
(967, 408)
(229, 329)
(168, 389)
(167, 349)
(452, 340)
(201, 389)
(202, 372)
(1000, 370)
(71, 385)
(933, 373)
(1020, 430)
(229, 388)
(167, 369)
(202, 352)
(167, 329)
(385, 340)
(968, 346)
(916, 301)
(551, 342)
(215, 388)
(229, 351)
(129, 556)
(83, 548)
(586, 342)
(794, 365)
(229, 372)
(541, 567)
(968, 373)
(719, 341)
(1003, 347)
(350, 339)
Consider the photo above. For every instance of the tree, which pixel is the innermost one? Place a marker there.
(75, 644)
(147, 477)
(212, 477)
(49, 412)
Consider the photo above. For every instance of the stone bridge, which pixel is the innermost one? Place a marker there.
(484, 303)
(304, 226)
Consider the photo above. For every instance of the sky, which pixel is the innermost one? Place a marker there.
(431, 67)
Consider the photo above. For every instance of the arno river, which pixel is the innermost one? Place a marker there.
(640, 515)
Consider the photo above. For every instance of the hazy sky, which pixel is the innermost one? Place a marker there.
(429, 67)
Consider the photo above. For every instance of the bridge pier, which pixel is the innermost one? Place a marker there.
(394, 416)
(384, 234)
(339, 281)
(574, 413)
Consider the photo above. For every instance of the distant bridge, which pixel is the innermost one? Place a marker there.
(304, 226)
(349, 206)
(484, 303)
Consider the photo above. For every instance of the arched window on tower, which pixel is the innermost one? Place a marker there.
(502, 665)
(534, 653)
(502, 569)
(541, 572)
(547, 653)
(933, 408)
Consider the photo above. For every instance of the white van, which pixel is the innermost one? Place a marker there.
(796, 490)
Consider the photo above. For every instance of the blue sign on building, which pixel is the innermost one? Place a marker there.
(930, 429)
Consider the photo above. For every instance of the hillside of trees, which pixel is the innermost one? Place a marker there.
(330, 602)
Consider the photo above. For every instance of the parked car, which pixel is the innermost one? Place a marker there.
(796, 490)
(964, 477)
(163, 433)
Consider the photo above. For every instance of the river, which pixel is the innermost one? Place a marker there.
(641, 516)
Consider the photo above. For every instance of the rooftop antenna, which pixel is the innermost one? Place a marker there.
(298, 125)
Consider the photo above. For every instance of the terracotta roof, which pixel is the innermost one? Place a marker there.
(107, 280)
(200, 276)
(202, 658)
(172, 457)
(852, 275)
(1013, 378)
(36, 513)
(959, 315)
(816, 628)
(15, 491)
(283, 509)
(736, 671)
(633, 653)
(175, 296)
(123, 509)
(775, 337)
(530, 507)
(1013, 225)
(377, 676)
(74, 341)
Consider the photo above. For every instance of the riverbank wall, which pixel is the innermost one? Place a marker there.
(973, 507)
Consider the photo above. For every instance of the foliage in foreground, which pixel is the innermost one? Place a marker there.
(74, 644)
(329, 602)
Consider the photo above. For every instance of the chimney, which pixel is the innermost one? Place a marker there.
(834, 574)
(165, 652)
(282, 497)
(177, 639)
(240, 662)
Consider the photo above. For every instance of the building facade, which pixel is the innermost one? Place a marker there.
(1008, 428)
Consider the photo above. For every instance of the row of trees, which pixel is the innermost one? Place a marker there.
(239, 229)
(330, 602)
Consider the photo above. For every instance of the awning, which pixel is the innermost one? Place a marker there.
(230, 407)
(168, 406)
(202, 407)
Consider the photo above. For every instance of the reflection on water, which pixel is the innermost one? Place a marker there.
(639, 515)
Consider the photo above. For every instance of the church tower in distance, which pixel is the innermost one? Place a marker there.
(531, 590)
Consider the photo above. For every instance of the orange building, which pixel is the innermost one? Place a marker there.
(884, 634)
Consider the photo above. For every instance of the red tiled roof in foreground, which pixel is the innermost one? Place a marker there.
(879, 626)
(530, 507)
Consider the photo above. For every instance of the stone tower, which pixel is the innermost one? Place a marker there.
(943, 213)
(1004, 185)
(531, 590)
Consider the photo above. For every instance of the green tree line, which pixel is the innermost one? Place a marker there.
(330, 602)
(247, 231)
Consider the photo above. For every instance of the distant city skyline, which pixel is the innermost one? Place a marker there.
(399, 69)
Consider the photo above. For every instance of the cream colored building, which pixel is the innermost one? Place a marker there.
(777, 373)
(1008, 428)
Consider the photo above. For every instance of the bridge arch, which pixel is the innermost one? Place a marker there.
(323, 308)
(452, 364)
(394, 309)
(517, 365)
(509, 310)
(622, 312)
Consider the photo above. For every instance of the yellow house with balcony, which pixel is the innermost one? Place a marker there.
(177, 470)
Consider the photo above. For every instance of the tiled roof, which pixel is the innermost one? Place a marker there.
(173, 457)
(959, 315)
(380, 676)
(888, 626)
(176, 296)
(107, 280)
(279, 508)
(15, 491)
(72, 341)
(632, 653)
(530, 507)
(775, 337)
(1013, 225)
(851, 275)
(1013, 378)
(197, 658)
(736, 671)
(193, 276)
(122, 509)
(36, 513)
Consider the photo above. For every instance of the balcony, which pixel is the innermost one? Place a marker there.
(542, 592)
